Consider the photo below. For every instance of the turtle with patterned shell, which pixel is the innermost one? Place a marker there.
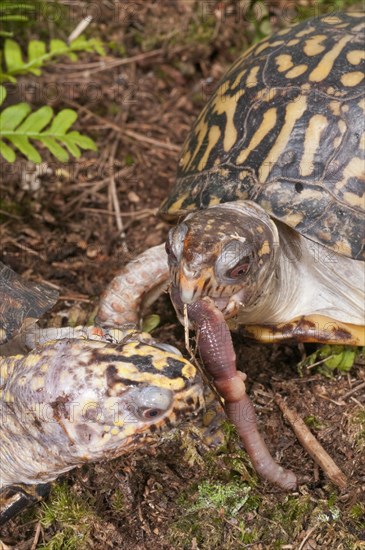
(79, 395)
(269, 200)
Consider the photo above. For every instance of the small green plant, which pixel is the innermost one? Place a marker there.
(15, 11)
(39, 53)
(313, 422)
(72, 516)
(330, 358)
(150, 322)
(228, 497)
(20, 126)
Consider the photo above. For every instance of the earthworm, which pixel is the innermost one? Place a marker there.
(217, 352)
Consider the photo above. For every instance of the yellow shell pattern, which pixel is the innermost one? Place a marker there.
(285, 128)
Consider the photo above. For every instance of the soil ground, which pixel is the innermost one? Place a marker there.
(74, 225)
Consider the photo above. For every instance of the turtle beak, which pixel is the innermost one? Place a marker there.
(189, 289)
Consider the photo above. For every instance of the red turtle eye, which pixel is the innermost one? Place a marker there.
(150, 414)
(239, 270)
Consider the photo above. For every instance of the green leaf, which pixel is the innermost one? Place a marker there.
(6, 78)
(55, 148)
(81, 43)
(39, 55)
(150, 322)
(19, 125)
(2, 94)
(14, 18)
(7, 152)
(58, 47)
(12, 116)
(82, 141)
(22, 143)
(13, 55)
(36, 121)
(98, 46)
(72, 56)
(63, 121)
(72, 147)
(36, 49)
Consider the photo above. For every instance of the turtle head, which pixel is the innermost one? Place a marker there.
(132, 392)
(226, 252)
(87, 400)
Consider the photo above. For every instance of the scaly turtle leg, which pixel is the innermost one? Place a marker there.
(15, 498)
(309, 328)
(135, 287)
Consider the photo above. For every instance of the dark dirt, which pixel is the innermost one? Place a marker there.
(69, 233)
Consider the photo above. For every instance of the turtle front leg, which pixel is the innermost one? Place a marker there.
(16, 498)
(137, 285)
(216, 349)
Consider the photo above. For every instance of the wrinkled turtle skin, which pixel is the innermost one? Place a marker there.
(74, 400)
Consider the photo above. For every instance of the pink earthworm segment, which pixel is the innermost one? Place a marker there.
(217, 352)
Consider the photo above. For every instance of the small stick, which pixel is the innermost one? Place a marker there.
(186, 330)
(311, 445)
(354, 390)
(125, 131)
(36, 536)
(84, 23)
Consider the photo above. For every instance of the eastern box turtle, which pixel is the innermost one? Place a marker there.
(273, 172)
(72, 400)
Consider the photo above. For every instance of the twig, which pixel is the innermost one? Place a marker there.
(94, 188)
(128, 60)
(357, 402)
(307, 537)
(320, 362)
(311, 445)
(27, 249)
(186, 330)
(338, 403)
(354, 390)
(36, 536)
(151, 141)
(115, 201)
(84, 23)
(103, 65)
(124, 131)
(143, 213)
(13, 216)
(75, 298)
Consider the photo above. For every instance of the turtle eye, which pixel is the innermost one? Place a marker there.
(170, 253)
(150, 403)
(150, 413)
(175, 243)
(240, 269)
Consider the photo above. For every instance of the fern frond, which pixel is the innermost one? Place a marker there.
(38, 55)
(19, 126)
(18, 12)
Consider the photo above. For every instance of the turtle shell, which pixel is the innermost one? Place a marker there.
(285, 128)
(21, 300)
